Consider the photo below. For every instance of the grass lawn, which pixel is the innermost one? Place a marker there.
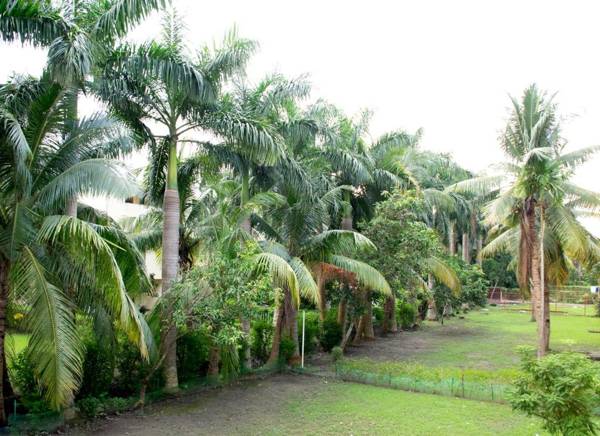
(483, 346)
(294, 405)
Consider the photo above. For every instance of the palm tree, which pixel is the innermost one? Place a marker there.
(534, 193)
(298, 240)
(58, 263)
(163, 101)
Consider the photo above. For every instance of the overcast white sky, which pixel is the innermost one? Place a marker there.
(446, 66)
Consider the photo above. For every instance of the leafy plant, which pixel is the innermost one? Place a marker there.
(407, 314)
(561, 389)
(332, 332)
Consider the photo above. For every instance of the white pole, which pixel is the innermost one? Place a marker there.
(303, 323)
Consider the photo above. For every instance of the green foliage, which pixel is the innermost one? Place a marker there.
(192, 354)
(25, 382)
(407, 314)
(498, 272)
(260, 340)
(286, 349)
(311, 331)
(562, 389)
(98, 369)
(92, 407)
(332, 332)
(336, 354)
(89, 407)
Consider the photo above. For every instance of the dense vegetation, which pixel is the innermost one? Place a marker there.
(289, 205)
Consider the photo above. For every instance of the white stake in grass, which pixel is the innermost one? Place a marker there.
(303, 322)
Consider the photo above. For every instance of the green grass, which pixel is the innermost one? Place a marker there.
(491, 337)
(347, 408)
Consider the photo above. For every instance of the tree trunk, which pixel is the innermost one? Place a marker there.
(4, 381)
(322, 302)
(170, 263)
(341, 315)
(245, 197)
(479, 249)
(277, 332)
(71, 207)
(524, 276)
(214, 357)
(245, 323)
(390, 324)
(369, 332)
(543, 320)
(536, 280)
(452, 238)
(432, 314)
(465, 248)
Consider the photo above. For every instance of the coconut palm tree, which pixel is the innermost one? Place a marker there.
(55, 263)
(151, 103)
(533, 192)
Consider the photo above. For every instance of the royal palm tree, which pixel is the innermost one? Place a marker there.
(58, 263)
(534, 192)
(146, 102)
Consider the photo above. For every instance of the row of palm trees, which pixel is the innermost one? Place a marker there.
(230, 160)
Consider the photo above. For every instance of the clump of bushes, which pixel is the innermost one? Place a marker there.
(332, 331)
(407, 314)
(311, 331)
(92, 407)
(561, 389)
(261, 337)
(286, 350)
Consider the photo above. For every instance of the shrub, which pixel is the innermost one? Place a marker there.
(25, 382)
(286, 349)
(311, 331)
(407, 314)
(192, 354)
(337, 353)
(89, 407)
(561, 389)
(332, 332)
(132, 369)
(98, 370)
(261, 336)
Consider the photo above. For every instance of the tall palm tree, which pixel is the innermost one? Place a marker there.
(157, 100)
(533, 192)
(58, 263)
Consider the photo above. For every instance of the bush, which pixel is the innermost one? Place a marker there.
(337, 353)
(192, 355)
(311, 331)
(561, 389)
(132, 369)
(98, 370)
(24, 381)
(261, 336)
(407, 314)
(286, 349)
(89, 407)
(332, 332)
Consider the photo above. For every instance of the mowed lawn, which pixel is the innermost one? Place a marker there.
(294, 405)
(480, 348)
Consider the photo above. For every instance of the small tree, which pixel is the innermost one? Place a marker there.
(561, 389)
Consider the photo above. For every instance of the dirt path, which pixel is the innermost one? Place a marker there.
(409, 345)
(236, 409)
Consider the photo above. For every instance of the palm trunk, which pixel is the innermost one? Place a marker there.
(369, 331)
(543, 320)
(452, 238)
(277, 331)
(390, 324)
(322, 297)
(170, 263)
(527, 227)
(431, 307)
(465, 248)
(245, 197)
(4, 381)
(214, 357)
(247, 227)
(479, 249)
(341, 315)
(71, 207)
